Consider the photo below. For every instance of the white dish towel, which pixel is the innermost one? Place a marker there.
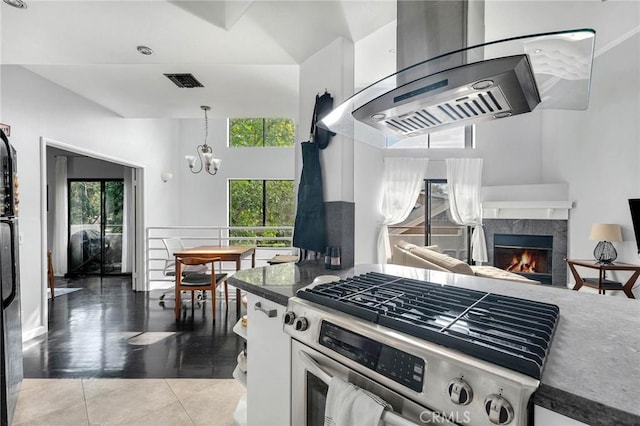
(348, 405)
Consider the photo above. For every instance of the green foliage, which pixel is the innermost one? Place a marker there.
(280, 203)
(85, 203)
(258, 132)
(246, 201)
(114, 206)
(84, 199)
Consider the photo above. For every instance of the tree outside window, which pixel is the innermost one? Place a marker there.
(261, 132)
(254, 203)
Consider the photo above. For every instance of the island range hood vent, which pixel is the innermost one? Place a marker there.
(486, 90)
(460, 85)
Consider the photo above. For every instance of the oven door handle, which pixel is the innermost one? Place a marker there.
(389, 418)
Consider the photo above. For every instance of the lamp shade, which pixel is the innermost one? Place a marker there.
(605, 232)
(191, 159)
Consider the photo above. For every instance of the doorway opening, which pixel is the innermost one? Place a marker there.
(63, 166)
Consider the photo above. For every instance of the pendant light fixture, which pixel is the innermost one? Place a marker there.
(204, 151)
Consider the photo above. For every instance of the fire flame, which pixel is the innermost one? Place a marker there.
(525, 263)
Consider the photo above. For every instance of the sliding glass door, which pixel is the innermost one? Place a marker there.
(95, 226)
(451, 238)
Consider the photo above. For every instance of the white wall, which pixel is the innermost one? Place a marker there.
(331, 69)
(598, 151)
(510, 148)
(37, 108)
(1, 69)
(368, 166)
(91, 168)
(203, 198)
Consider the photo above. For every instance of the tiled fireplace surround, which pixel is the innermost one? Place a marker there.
(555, 228)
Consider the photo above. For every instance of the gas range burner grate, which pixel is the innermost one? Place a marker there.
(511, 332)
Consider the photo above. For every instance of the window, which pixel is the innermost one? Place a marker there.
(413, 227)
(430, 223)
(460, 137)
(255, 203)
(451, 238)
(261, 132)
(456, 138)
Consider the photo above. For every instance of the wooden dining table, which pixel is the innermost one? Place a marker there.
(226, 254)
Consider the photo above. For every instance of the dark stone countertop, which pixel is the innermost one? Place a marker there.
(592, 371)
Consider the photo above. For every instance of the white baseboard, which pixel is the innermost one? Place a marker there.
(35, 332)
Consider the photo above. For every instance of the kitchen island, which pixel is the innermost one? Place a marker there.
(592, 371)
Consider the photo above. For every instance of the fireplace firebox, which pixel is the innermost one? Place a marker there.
(526, 255)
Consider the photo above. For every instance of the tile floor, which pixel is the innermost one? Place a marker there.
(114, 356)
(139, 402)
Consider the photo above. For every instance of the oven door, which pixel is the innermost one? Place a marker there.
(311, 372)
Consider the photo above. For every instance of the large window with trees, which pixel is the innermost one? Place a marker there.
(256, 203)
(261, 132)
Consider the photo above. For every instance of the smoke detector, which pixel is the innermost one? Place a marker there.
(145, 50)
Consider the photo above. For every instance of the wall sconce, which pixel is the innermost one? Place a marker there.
(166, 176)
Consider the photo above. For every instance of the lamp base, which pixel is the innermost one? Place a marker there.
(605, 253)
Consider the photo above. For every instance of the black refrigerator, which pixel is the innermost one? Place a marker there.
(10, 323)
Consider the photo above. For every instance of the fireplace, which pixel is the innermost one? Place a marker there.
(528, 255)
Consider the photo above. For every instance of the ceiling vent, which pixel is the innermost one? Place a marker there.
(187, 81)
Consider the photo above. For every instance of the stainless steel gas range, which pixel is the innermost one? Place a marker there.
(436, 354)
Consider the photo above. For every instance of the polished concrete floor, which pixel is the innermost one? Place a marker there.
(105, 330)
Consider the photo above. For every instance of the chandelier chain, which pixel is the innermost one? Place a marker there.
(206, 127)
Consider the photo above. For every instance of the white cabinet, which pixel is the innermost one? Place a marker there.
(240, 414)
(268, 364)
(544, 417)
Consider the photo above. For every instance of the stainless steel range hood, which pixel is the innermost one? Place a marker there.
(487, 90)
(487, 81)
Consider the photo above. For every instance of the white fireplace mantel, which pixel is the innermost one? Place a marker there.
(553, 210)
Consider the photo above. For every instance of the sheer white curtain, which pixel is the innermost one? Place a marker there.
(464, 179)
(127, 220)
(60, 218)
(403, 179)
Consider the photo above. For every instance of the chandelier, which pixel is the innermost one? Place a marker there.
(204, 151)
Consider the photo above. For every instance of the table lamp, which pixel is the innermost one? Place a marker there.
(604, 252)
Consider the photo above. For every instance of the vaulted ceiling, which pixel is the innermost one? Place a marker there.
(245, 53)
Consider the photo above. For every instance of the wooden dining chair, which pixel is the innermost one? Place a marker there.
(200, 281)
(173, 245)
(50, 275)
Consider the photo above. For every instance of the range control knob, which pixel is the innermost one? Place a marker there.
(498, 409)
(288, 317)
(300, 324)
(460, 392)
